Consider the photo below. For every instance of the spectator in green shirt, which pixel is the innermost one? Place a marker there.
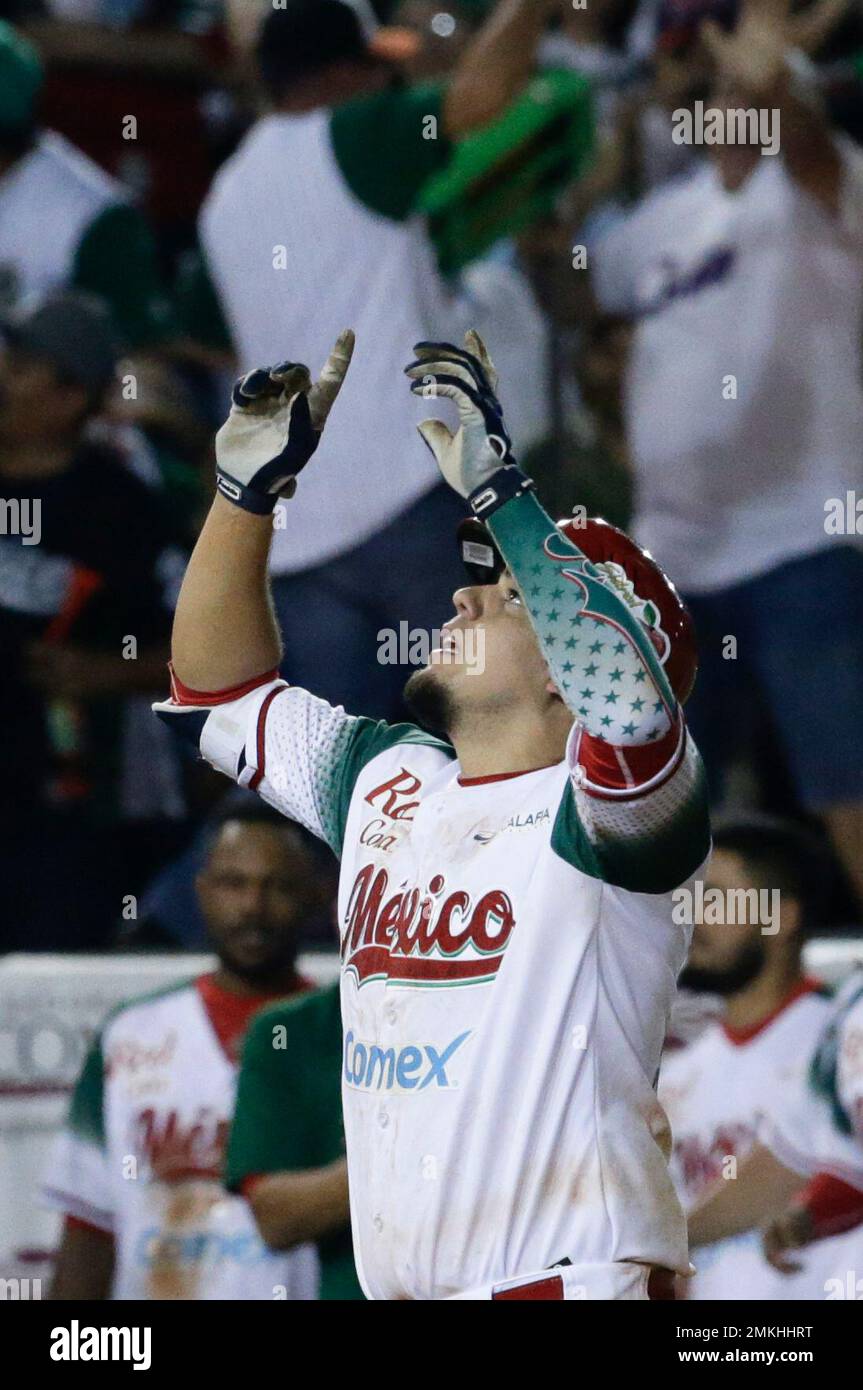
(286, 1151)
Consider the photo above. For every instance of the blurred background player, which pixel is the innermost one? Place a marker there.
(138, 1171)
(286, 1152)
(718, 1091)
(801, 1185)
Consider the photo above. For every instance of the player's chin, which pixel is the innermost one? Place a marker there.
(428, 696)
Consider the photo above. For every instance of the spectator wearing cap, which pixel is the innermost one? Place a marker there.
(744, 411)
(86, 559)
(64, 223)
(309, 227)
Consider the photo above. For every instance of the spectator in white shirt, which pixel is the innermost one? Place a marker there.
(745, 416)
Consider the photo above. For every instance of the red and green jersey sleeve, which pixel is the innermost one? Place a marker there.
(301, 754)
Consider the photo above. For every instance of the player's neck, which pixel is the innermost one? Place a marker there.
(279, 983)
(488, 747)
(762, 998)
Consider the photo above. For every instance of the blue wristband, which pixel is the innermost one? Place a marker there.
(501, 487)
(261, 503)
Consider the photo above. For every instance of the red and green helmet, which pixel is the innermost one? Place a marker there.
(625, 567)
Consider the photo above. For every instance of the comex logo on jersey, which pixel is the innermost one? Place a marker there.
(77, 1343)
(370, 1067)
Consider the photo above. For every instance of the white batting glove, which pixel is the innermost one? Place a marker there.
(277, 416)
(481, 446)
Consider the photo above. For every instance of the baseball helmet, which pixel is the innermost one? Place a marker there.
(624, 566)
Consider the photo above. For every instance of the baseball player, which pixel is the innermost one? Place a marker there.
(508, 951)
(137, 1171)
(718, 1091)
(815, 1138)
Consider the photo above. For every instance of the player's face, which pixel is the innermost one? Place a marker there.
(489, 660)
(255, 891)
(725, 956)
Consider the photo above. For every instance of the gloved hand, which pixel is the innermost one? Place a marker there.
(274, 427)
(481, 446)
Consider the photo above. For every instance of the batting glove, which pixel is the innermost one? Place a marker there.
(477, 461)
(277, 416)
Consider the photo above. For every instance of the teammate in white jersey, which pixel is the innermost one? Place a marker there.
(718, 1091)
(814, 1136)
(137, 1171)
(509, 954)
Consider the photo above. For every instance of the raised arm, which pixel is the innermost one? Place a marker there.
(495, 66)
(637, 786)
(753, 65)
(565, 594)
(225, 633)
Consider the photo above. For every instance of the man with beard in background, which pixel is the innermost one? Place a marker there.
(137, 1172)
(719, 1091)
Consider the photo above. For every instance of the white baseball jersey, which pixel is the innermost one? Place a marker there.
(504, 996)
(142, 1158)
(717, 1093)
(819, 1127)
(52, 175)
(740, 300)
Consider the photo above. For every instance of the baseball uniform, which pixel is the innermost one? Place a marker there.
(509, 955)
(143, 1151)
(819, 1128)
(717, 1094)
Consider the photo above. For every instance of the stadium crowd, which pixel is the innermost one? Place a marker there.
(190, 188)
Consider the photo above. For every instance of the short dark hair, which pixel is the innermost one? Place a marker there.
(782, 854)
(304, 37)
(255, 812)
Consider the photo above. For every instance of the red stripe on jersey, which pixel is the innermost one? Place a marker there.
(261, 740)
(547, 1290)
(76, 1223)
(834, 1206)
(230, 1013)
(740, 1036)
(500, 776)
(184, 694)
